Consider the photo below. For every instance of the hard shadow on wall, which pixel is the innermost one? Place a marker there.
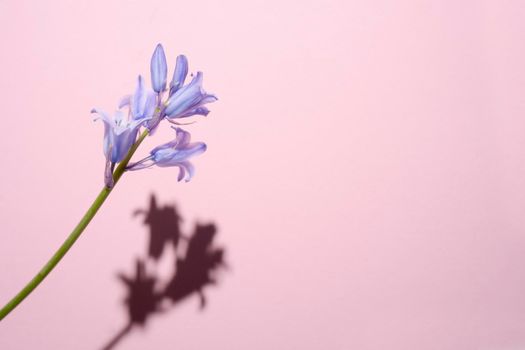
(196, 261)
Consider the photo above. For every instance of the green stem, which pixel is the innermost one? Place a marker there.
(77, 231)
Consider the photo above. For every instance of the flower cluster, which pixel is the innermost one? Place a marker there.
(147, 108)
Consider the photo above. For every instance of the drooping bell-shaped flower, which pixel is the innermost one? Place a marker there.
(142, 103)
(119, 136)
(148, 107)
(159, 69)
(189, 100)
(174, 153)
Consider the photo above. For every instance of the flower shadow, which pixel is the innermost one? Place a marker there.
(195, 264)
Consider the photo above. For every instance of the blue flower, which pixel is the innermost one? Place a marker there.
(182, 101)
(159, 69)
(119, 136)
(142, 103)
(148, 107)
(189, 100)
(174, 153)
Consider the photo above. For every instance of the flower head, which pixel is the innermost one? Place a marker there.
(182, 101)
(174, 153)
(148, 107)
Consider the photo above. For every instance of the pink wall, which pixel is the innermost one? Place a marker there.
(366, 170)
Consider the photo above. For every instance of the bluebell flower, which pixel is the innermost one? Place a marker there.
(174, 153)
(142, 103)
(148, 107)
(159, 69)
(189, 100)
(119, 135)
(183, 100)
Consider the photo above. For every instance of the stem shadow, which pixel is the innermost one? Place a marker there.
(195, 264)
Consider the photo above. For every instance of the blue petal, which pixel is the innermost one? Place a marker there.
(194, 149)
(108, 134)
(124, 101)
(151, 103)
(139, 99)
(197, 111)
(102, 115)
(182, 138)
(186, 171)
(122, 144)
(166, 158)
(141, 164)
(119, 135)
(119, 118)
(188, 98)
(190, 170)
(143, 102)
(185, 98)
(159, 69)
(179, 76)
(208, 98)
(182, 172)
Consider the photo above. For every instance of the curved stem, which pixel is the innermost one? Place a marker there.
(73, 236)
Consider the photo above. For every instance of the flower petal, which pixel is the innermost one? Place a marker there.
(182, 172)
(194, 149)
(188, 98)
(143, 101)
(182, 138)
(139, 99)
(159, 69)
(151, 104)
(208, 98)
(108, 127)
(102, 115)
(119, 119)
(197, 111)
(124, 101)
(119, 135)
(185, 98)
(179, 75)
(122, 144)
(167, 158)
(190, 170)
(141, 164)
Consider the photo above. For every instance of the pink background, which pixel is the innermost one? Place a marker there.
(366, 169)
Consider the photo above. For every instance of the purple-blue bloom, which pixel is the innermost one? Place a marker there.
(174, 153)
(189, 100)
(159, 69)
(119, 136)
(148, 107)
(183, 101)
(142, 103)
